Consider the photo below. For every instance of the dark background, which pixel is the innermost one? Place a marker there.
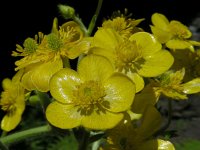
(21, 19)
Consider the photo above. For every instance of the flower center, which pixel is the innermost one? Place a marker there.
(89, 97)
(54, 42)
(7, 102)
(119, 24)
(179, 30)
(69, 34)
(127, 56)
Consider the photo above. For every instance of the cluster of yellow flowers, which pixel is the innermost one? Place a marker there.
(121, 72)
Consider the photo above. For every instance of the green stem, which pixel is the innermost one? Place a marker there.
(4, 133)
(44, 99)
(15, 137)
(79, 21)
(2, 146)
(83, 143)
(94, 18)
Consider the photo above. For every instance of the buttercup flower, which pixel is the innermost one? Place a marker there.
(170, 84)
(123, 25)
(188, 60)
(12, 101)
(48, 54)
(139, 56)
(172, 33)
(126, 136)
(93, 97)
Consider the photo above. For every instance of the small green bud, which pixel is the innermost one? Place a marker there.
(66, 11)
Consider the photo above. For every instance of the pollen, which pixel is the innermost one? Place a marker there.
(120, 25)
(7, 102)
(89, 96)
(69, 34)
(127, 55)
(179, 30)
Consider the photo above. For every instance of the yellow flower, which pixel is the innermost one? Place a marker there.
(188, 60)
(170, 84)
(93, 97)
(128, 136)
(47, 54)
(139, 56)
(12, 101)
(123, 25)
(172, 33)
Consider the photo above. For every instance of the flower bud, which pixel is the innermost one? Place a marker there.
(66, 11)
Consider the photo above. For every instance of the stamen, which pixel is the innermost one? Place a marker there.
(127, 53)
(89, 96)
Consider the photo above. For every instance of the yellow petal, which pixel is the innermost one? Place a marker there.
(137, 79)
(94, 67)
(165, 145)
(192, 86)
(63, 83)
(160, 21)
(195, 43)
(120, 92)
(17, 77)
(180, 29)
(43, 74)
(106, 38)
(10, 121)
(161, 35)
(144, 98)
(156, 64)
(75, 50)
(146, 42)
(178, 44)
(38, 77)
(104, 52)
(101, 121)
(151, 122)
(6, 83)
(77, 32)
(63, 116)
(174, 94)
(147, 145)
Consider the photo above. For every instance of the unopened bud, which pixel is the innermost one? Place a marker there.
(66, 11)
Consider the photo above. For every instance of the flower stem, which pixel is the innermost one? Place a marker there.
(84, 141)
(79, 21)
(15, 137)
(2, 146)
(4, 133)
(44, 99)
(94, 18)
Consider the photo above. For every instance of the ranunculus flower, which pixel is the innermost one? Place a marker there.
(93, 97)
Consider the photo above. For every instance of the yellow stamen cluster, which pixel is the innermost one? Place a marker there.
(179, 30)
(122, 26)
(89, 96)
(30, 45)
(8, 102)
(69, 34)
(127, 53)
